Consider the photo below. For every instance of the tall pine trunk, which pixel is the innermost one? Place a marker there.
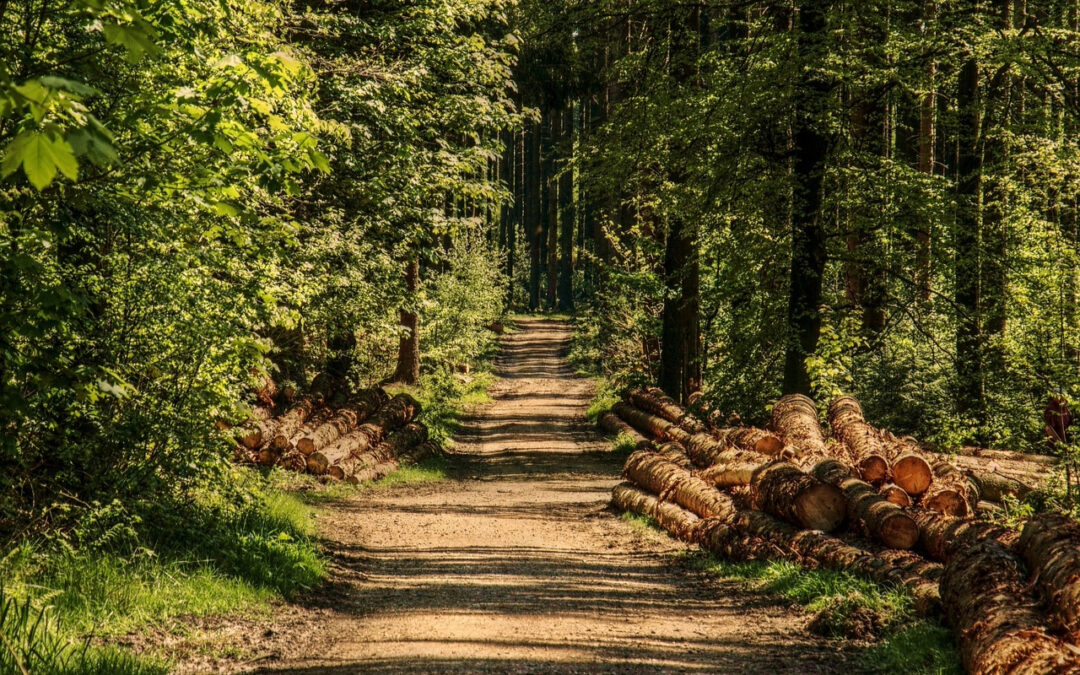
(969, 340)
(408, 361)
(566, 218)
(808, 252)
(534, 227)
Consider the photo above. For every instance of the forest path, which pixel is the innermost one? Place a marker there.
(516, 564)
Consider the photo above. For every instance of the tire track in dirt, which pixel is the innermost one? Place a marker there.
(515, 564)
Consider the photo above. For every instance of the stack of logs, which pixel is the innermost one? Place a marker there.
(859, 499)
(365, 437)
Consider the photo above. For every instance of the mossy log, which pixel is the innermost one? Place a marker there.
(868, 451)
(1050, 543)
(998, 627)
(995, 487)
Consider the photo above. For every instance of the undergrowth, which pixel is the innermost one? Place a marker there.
(115, 569)
(846, 606)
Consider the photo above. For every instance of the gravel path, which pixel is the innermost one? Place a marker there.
(515, 564)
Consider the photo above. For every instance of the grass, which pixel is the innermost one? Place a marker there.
(430, 470)
(603, 399)
(641, 522)
(118, 571)
(846, 606)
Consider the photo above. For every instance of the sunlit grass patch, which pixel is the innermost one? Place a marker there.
(641, 522)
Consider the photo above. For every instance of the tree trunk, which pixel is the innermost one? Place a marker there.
(362, 407)
(655, 401)
(680, 363)
(651, 425)
(969, 337)
(808, 251)
(567, 218)
(927, 140)
(534, 226)
(611, 423)
(787, 492)
(408, 361)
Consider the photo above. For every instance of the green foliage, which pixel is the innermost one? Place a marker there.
(605, 397)
(641, 522)
(33, 643)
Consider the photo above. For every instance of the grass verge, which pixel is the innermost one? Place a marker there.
(117, 570)
(846, 606)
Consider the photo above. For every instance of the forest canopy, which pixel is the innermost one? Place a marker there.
(736, 198)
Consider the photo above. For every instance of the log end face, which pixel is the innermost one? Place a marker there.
(913, 474)
(900, 531)
(874, 470)
(306, 446)
(771, 446)
(821, 507)
(950, 502)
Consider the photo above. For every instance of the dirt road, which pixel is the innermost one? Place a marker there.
(516, 564)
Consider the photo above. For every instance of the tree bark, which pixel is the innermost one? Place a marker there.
(1050, 543)
(795, 419)
(849, 425)
(882, 520)
(998, 627)
(534, 226)
(408, 361)
(808, 251)
(567, 217)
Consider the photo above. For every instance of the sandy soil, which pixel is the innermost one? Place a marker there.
(515, 564)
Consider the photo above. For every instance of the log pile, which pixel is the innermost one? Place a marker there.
(857, 498)
(367, 436)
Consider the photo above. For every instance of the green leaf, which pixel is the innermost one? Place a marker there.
(318, 159)
(37, 161)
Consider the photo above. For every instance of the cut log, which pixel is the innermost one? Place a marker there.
(676, 520)
(1008, 455)
(745, 534)
(732, 468)
(795, 419)
(896, 495)
(1050, 543)
(400, 410)
(902, 568)
(883, 521)
(941, 536)
(326, 433)
(358, 467)
(951, 493)
(754, 440)
(998, 627)
(911, 470)
(360, 408)
(320, 461)
(289, 423)
(668, 480)
(867, 449)
(994, 487)
(784, 490)
(653, 400)
(614, 425)
(293, 461)
(675, 453)
(652, 426)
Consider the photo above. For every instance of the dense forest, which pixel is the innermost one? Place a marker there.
(209, 204)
